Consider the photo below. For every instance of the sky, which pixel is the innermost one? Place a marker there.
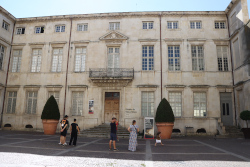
(34, 8)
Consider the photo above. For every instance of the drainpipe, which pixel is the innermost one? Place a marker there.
(161, 54)
(7, 74)
(232, 66)
(66, 82)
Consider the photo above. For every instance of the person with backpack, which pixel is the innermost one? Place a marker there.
(64, 127)
(74, 129)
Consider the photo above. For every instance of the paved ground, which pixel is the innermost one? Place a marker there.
(36, 149)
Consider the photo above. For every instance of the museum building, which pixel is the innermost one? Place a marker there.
(105, 65)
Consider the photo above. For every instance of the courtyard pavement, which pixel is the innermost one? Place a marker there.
(36, 149)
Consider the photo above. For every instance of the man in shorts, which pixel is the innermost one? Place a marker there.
(64, 124)
(113, 136)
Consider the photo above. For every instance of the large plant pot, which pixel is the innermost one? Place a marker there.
(166, 129)
(49, 126)
(246, 132)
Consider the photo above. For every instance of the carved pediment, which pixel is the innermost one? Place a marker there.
(114, 35)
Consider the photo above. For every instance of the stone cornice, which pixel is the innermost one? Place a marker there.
(122, 15)
(230, 6)
(4, 40)
(7, 14)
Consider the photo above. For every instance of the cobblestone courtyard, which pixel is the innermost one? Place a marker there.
(37, 149)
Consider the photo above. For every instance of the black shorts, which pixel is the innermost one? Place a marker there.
(64, 133)
(113, 137)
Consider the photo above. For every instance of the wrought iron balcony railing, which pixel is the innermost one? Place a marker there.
(111, 73)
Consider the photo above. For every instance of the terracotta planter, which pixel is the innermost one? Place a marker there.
(49, 126)
(246, 132)
(166, 129)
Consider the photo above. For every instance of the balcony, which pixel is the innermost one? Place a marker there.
(111, 77)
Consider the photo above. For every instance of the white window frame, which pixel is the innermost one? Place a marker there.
(16, 60)
(147, 103)
(2, 50)
(195, 25)
(222, 57)
(113, 57)
(57, 60)
(56, 95)
(173, 25)
(77, 103)
(114, 25)
(220, 25)
(80, 59)
(200, 105)
(36, 60)
(31, 109)
(198, 57)
(174, 56)
(146, 25)
(39, 30)
(175, 100)
(82, 27)
(60, 28)
(20, 30)
(5, 25)
(11, 102)
(147, 58)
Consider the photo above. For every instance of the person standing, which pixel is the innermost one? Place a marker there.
(64, 125)
(74, 129)
(117, 123)
(113, 136)
(133, 129)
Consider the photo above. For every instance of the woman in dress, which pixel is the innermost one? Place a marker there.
(133, 129)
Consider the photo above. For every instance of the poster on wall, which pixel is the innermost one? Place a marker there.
(148, 127)
(91, 106)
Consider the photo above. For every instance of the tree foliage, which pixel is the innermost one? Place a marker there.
(51, 110)
(164, 112)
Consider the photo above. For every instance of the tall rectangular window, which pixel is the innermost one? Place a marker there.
(77, 103)
(36, 60)
(5, 25)
(82, 27)
(1, 56)
(39, 30)
(11, 105)
(174, 58)
(220, 25)
(173, 25)
(114, 26)
(200, 104)
(57, 60)
(113, 57)
(16, 62)
(147, 58)
(147, 25)
(222, 58)
(20, 30)
(197, 58)
(147, 104)
(56, 95)
(175, 102)
(31, 102)
(60, 28)
(195, 25)
(80, 59)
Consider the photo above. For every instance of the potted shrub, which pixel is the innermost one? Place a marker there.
(245, 115)
(164, 119)
(50, 116)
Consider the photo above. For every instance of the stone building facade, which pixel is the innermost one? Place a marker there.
(121, 64)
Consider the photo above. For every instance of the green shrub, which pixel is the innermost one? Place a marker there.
(164, 112)
(51, 110)
(245, 115)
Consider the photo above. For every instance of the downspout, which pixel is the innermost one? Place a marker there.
(7, 74)
(232, 67)
(161, 54)
(66, 82)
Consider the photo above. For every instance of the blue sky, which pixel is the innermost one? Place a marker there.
(34, 8)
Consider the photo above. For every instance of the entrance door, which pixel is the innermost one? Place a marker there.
(226, 109)
(111, 106)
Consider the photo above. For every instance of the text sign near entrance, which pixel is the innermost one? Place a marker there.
(148, 127)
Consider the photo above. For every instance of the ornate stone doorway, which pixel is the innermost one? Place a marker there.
(111, 106)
